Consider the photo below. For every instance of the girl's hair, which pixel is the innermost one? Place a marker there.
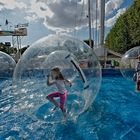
(60, 76)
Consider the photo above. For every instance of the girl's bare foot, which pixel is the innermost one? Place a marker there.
(64, 111)
(54, 108)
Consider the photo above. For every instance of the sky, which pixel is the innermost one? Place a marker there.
(47, 17)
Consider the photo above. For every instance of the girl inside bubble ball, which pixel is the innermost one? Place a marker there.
(56, 78)
(138, 75)
(138, 83)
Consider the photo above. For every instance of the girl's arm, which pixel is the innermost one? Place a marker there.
(49, 82)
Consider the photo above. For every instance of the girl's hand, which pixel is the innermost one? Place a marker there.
(68, 82)
(49, 80)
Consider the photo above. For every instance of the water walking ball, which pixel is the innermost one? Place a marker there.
(77, 63)
(129, 63)
(7, 64)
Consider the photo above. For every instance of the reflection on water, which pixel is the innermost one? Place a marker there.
(114, 115)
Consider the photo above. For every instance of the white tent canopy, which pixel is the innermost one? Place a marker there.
(102, 52)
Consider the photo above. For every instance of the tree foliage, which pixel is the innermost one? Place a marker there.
(11, 50)
(6, 48)
(125, 33)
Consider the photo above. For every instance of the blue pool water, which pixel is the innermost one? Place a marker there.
(114, 115)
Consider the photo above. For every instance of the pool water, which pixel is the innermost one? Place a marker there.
(114, 115)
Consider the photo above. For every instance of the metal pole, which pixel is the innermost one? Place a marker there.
(89, 22)
(18, 45)
(102, 19)
(96, 35)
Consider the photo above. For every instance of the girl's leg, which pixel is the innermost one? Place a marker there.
(63, 98)
(138, 85)
(51, 96)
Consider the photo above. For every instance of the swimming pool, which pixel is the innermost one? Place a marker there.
(113, 115)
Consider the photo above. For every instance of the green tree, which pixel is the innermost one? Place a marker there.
(125, 33)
